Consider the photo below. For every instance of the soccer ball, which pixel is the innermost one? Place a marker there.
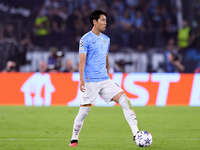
(143, 139)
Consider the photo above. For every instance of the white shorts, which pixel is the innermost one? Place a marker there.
(106, 89)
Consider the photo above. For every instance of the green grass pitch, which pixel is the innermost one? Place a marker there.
(105, 128)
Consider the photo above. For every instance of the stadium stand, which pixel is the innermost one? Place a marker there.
(139, 31)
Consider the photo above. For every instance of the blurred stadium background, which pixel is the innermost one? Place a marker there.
(45, 34)
(147, 36)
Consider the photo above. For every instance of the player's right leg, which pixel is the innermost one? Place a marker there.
(78, 123)
(86, 99)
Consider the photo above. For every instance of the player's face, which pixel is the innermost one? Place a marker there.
(101, 23)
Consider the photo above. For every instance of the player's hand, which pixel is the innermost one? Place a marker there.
(82, 85)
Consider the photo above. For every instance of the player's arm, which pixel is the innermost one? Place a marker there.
(107, 63)
(82, 58)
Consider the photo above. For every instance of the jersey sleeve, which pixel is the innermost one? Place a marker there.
(83, 45)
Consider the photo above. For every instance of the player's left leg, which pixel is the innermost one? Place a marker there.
(111, 91)
(129, 114)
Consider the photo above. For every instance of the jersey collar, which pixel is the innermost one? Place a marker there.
(95, 34)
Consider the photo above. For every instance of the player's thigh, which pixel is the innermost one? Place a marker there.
(91, 91)
(109, 90)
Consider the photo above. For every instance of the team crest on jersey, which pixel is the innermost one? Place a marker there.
(106, 42)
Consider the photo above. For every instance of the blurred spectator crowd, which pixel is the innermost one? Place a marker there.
(137, 25)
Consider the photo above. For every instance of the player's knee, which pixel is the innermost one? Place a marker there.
(85, 110)
(125, 102)
(82, 114)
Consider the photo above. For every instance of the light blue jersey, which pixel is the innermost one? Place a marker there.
(96, 47)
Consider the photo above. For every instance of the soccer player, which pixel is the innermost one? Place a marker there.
(94, 78)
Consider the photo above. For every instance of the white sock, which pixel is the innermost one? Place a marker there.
(129, 113)
(78, 122)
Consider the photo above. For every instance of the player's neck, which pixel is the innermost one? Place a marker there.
(95, 31)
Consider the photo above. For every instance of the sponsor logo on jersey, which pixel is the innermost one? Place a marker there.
(81, 49)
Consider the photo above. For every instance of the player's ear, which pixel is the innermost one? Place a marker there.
(94, 21)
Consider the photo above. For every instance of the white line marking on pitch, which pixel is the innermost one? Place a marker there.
(31, 139)
(84, 139)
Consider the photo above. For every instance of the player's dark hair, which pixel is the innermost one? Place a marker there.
(95, 15)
